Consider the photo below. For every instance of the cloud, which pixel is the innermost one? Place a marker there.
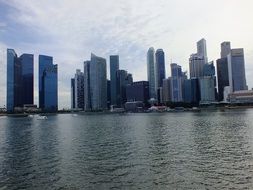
(71, 30)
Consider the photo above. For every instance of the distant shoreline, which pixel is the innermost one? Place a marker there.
(108, 112)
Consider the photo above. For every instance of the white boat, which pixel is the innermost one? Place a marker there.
(42, 117)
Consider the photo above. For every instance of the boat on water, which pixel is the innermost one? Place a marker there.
(42, 117)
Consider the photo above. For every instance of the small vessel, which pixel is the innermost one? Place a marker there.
(42, 117)
(74, 115)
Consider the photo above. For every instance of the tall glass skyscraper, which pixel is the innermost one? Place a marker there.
(201, 49)
(159, 68)
(19, 80)
(123, 79)
(48, 84)
(222, 69)
(87, 89)
(151, 72)
(176, 83)
(198, 60)
(78, 90)
(222, 75)
(98, 83)
(73, 103)
(236, 70)
(11, 82)
(114, 67)
(225, 49)
(27, 78)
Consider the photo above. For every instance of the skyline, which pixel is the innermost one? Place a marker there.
(119, 33)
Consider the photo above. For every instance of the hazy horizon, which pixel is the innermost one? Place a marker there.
(70, 30)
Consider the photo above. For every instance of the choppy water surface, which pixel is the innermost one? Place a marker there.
(204, 150)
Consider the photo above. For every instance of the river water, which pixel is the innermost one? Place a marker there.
(206, 150)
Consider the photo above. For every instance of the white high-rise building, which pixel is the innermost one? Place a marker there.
(225, 49)
(196, 64)
(151, 72)
(201, 49)
(95, 84)
(198, 60)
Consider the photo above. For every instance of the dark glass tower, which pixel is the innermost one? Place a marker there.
(114, 67)
(27, 78)
(159, 68)
(48, 85)
(222, 74)
(19, 80)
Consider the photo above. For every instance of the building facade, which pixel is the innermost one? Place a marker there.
(98, 83)
(201, 49)
(78, 90)
(159, 68)
(151, 72)
(207, 89)
(20, 80)
(225, 49)
(222, 75)
(176, 83)
(48, 84)
(123, 79)
(236, 70)
(138, 91)
(191, 91)
(167, 90)
(114, 67)
(87, 88)
(196, 65)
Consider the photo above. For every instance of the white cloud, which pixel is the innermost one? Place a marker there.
(71, 30)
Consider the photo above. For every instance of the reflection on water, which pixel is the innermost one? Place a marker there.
(204, 150)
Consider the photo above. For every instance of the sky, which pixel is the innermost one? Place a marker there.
(70, 30)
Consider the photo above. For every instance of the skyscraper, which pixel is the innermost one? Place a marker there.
(19, 80)
(207, 89)
(78, 90)
(222, 69)
(123, 79)
(198, 60)
(208, 84)
(138, 91)
(225, 49)
(191, 91)
(236, 70)
(87, 88)
(201, 49)
(159, 68)
(48, 84)
(73, 102)
(13, 73)
(222, 75)
(98, 83)
(151, 72)
(196, 65)
(167, 90)
(176, 83)
(27, 78)
(114, 67)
